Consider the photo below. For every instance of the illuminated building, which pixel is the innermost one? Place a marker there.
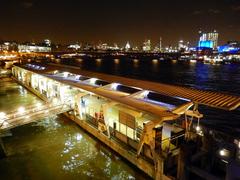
(8, 46)
(74, 46)
(160, 44)
(232, 47)
(205, 44)
(47, 42)
(208, 40)
(127, 47)
(147, 45)
(33, 48)
(182, 46)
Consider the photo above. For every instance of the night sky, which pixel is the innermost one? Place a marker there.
(66, 21)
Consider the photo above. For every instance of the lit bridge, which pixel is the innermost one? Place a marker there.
(25, 115)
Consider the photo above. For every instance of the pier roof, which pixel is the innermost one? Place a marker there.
(209, 98)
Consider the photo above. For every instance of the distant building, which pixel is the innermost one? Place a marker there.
(231, 47)
(33, 48)
(208, 40)
(8, 46)
(47, 42)
(127, 47)
(74, 46)
(147, 46)
(182, 46)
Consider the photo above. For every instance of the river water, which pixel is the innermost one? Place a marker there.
(223, 78)
(55, 147)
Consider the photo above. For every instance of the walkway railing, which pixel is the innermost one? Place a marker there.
(30, 114)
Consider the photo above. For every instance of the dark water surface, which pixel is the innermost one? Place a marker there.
(222, 78)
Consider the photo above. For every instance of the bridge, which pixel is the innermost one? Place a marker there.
(26, 115)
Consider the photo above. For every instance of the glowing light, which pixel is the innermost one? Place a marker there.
(39, 105)
(222, 152)
(65, 74)
(78, 137)
(116, 61)
(145, 93)
(198, 128)
(135, 60)
(2, 115)
(155, 61)
(77, 77)
(114, 86)
(5, 123)
(98, 60)
(21, 110)
(93, 80)
(55, 101)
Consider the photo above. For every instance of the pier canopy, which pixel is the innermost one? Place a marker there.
(208, 98)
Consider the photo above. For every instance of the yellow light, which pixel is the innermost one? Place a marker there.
(98, 60)
(116, 61)
(222, 152)
(155, 61)
(21, 110)
(198, 128)
(135, 60)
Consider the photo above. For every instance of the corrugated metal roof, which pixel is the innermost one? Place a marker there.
(208, 98)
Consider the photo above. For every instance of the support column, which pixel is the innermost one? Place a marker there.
(105, 108)
(2, 149)
(79, 104)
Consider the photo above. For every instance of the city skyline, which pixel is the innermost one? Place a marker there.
(118, 22)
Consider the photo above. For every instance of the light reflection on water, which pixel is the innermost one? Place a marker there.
(56, 148)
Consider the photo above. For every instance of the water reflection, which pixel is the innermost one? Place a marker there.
(116, 61)
(56, 148)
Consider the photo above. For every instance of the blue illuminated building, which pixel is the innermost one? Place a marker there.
(228, 49)
(231, 47)
(205, 44)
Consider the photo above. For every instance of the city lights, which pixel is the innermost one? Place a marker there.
(89, 87)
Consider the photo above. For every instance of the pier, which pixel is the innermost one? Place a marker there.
(145, 122)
